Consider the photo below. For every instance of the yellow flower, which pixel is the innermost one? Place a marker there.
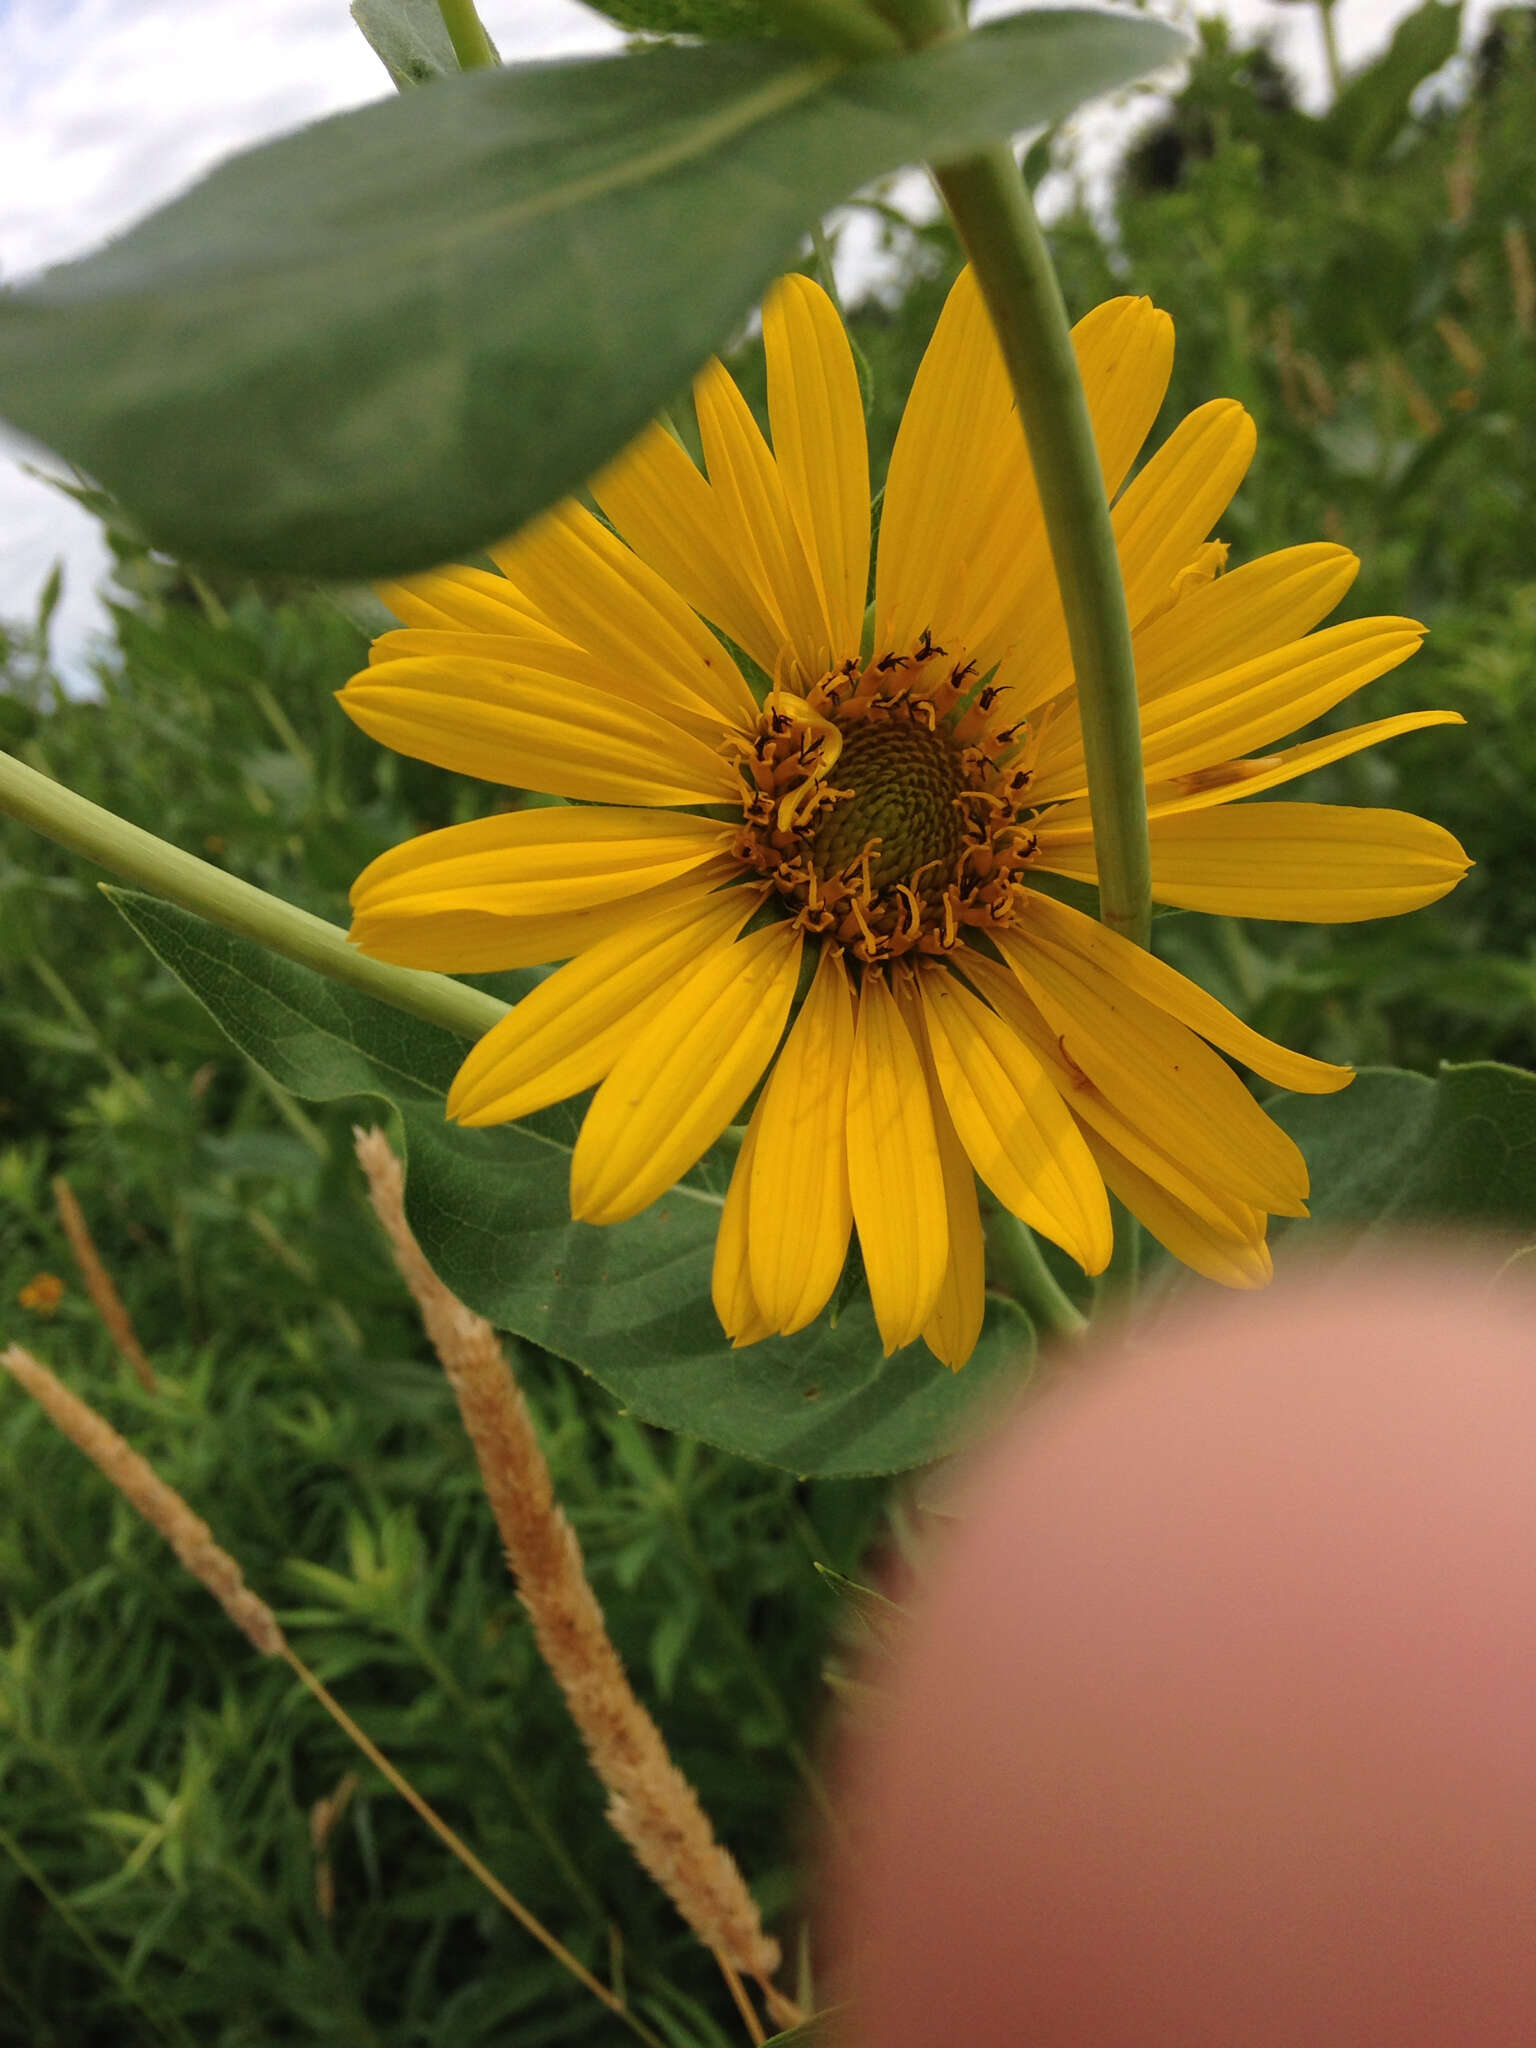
(868, 825)
(42, 1294)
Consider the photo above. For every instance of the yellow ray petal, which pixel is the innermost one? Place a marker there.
(1238, 1258)
(1218, 1212)
(1229, 713)
(553, 665)
(817, 417)
(604, 599)
(569, 1031)
(665, 508)
(1314, 863)
(757, 525)
(553, 858)
(800, 1215)
(456, 940)
(513, 890)
(535, 731)
(955, 1324)
(1163, 1078)
(731, 1280)
(1214, 720)
(1071, 823)
(1013, 1124)
(1124, 351)
(1224, 780)
(958, 450)
(895, 1173)
(1118, 962)
(1243, 613)
(683, 1077)
(1169, 507)
(462, 599)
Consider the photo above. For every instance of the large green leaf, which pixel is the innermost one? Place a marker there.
(398, 334)
(629, 1304)
(1400, 1150)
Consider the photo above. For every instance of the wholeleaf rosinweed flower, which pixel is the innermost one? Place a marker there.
(870, 824)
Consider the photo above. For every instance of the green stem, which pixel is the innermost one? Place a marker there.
(1330, 50)
(1122, 1276)
(995, 217)
(471, 45)
(141, 858)
(1029, 1279)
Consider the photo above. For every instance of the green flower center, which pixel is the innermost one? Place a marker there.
(901, 782)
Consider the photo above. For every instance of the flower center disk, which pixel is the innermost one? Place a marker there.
(884, 807)
(901, 805)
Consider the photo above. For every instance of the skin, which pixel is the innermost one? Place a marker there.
(1216, 1722)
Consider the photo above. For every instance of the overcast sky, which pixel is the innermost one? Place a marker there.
(107, 107)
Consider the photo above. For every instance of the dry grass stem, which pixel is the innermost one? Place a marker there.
(192, 1540)
(1522, 276)
(651, 1804)
(471, 1862)
(324, 1816)
(142, 1487)
(98, 1282)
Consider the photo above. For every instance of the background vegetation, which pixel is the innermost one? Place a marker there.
(1366, 283)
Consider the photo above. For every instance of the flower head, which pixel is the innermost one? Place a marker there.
(821, 862)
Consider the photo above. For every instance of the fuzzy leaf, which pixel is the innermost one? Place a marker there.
(396, 335)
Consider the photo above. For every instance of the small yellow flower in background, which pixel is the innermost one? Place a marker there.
(42, 1294)
(868, 827)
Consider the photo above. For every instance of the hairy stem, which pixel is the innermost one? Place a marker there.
(1029, 1279)
(139, 857)
(995, 217)
(471, 45)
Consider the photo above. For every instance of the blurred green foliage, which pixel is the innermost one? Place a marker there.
(1366, 283)
(156, 1876)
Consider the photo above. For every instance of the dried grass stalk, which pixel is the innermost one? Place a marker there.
(651, 1804)
(192, 1540)
(188, 1535)
(99, 1284)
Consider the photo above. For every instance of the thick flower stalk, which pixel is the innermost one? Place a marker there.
(815, 864)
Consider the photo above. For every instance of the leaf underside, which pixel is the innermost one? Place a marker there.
(398, 334)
